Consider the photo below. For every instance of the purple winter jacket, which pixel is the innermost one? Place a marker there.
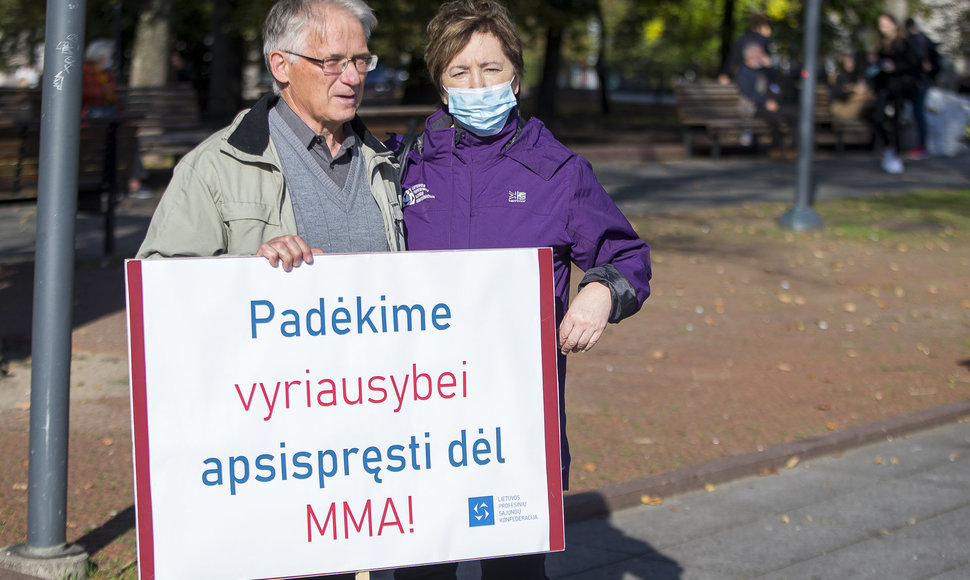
(521, 188)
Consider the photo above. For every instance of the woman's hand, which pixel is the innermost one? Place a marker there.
(290, 251)
(586, 318)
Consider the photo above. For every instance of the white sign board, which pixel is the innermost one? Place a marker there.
(363, 412)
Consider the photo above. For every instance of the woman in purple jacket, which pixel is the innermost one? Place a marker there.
(482, 177)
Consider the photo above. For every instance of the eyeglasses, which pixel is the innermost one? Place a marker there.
(336, 65)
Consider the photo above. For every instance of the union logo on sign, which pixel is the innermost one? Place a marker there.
(481, 511)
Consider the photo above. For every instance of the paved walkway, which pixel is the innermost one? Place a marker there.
(898, 508)
(653, 187)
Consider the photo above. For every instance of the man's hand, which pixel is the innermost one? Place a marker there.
(586, 318)
(290, 251)
(771, 105)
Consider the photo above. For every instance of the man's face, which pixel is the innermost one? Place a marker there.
(324, 101)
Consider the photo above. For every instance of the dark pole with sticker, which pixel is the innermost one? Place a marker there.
(802, 216)
(46, 552)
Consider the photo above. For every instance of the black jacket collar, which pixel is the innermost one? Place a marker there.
(252, 134)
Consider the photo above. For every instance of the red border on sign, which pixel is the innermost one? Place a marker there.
(550, 396)
(139, 416)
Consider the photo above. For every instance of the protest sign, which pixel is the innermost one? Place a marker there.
(361, 412)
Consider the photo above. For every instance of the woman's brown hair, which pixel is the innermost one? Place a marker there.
(453, 26)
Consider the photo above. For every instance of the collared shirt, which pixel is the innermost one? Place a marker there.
(337, 167)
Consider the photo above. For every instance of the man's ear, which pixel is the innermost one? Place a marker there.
(279, 67)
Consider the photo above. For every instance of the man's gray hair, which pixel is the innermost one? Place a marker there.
(286, 24)
(99, 50)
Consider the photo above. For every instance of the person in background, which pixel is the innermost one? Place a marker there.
(99, 88)
(895, 83)
(851, 96)
(759, 33)
(927, 57)
(100, 98)
(298, 172)
(761, 97)
(481, 176)
(27, 76)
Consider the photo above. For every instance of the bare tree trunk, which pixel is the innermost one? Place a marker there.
(149, 59)
(225, 74)
(546, 105)
(727, 32)
(601, 72)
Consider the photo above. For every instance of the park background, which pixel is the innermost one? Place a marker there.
(860, 323)
(616, 50)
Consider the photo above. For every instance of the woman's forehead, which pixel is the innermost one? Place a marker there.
(481, 48)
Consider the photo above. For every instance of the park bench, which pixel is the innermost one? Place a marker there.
(843, 130)
(105, 161)
(19, 103)
(383, 119)
(168, 118)
(711, 109)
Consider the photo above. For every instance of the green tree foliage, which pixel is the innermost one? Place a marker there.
(21, 27)
(685, 35)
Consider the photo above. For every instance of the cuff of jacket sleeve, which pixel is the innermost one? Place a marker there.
(622, 293)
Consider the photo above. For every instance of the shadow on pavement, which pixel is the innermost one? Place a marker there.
(95, 540)
(596, 548)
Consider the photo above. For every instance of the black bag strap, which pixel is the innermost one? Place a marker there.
(412, 141)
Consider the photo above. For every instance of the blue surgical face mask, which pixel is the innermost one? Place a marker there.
(482, 111)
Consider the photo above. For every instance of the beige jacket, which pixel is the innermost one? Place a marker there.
(227, 196)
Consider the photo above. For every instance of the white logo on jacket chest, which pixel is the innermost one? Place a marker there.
(516, 197)
(416, 194)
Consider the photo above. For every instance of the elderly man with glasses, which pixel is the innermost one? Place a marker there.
(297, 173)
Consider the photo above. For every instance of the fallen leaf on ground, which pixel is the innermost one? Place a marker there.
(710, 486)
(792, 462)
(647, 499)
(831, 425)
(785, 367)
(590, 467)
